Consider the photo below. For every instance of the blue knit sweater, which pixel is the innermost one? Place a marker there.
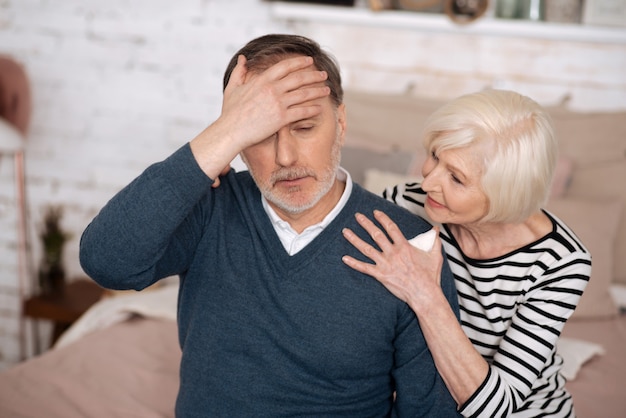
(264, 333)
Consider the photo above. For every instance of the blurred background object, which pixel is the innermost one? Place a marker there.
(563, 11)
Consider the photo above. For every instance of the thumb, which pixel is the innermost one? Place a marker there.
(238, 74)
(436, 248)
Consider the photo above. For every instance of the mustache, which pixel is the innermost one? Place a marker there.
(290, 173)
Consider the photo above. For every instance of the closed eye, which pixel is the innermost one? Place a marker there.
(304, 129)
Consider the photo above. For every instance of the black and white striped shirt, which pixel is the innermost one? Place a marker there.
(513, 309)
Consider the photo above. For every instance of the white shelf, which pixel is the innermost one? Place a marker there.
(399, 19)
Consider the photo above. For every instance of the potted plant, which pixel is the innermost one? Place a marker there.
(53, 239)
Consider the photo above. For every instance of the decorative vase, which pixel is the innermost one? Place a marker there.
(53, 238)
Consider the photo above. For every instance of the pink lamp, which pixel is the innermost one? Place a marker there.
(11, 140)
(15, 110)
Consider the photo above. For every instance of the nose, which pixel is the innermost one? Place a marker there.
(431, 181)
(286, 148)
(427, 183)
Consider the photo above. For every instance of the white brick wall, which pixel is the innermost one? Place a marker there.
(117, 85)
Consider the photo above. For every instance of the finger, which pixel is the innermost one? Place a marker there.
(437, 245)
(301, 112)
(289, 66)
(366, 249)
(306, 95)
(360, 266)
(304, 78)
(377, 235)
(390, 226)
(238, 75)
(295, 73)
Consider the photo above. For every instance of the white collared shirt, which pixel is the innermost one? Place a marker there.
(291, 240)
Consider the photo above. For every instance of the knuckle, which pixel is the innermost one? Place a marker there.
(377, 235)
(369, 250)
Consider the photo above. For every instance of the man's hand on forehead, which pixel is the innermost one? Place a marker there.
(294, 72)
(258, 104)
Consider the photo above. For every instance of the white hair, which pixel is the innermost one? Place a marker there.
(521, 148)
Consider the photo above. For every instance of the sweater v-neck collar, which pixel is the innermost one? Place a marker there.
(294, 242)
(319, 243)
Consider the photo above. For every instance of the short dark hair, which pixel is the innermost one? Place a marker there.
(265, 51)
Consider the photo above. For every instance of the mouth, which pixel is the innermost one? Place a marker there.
(290, 178)
(433, 203)
(289, 182)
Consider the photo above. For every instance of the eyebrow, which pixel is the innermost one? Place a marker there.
(312, 118)
(457, 171)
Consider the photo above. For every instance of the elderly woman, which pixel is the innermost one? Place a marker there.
(519, 270)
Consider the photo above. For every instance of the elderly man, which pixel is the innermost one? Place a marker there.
(271, 321)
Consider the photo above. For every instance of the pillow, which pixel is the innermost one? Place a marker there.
(590, 138)
(562, 177)
(159, 303)
(602, 181)
(575, 353)
(595, 223)
(111, 293)
(387, 122)
(376, 181)
(358, 160)
(618, 292)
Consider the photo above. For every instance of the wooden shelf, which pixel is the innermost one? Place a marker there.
(429, 22)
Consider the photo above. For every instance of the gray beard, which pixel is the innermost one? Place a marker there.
(286, 173)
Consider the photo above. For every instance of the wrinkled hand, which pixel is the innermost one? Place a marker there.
(407, 272)
(256, 106)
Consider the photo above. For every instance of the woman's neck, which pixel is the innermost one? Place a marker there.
(491, 240)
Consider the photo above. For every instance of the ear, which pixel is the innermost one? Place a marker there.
(341, 122)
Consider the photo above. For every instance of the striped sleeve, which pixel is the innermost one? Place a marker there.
(513, 309)
(409, 196)
(524, 362)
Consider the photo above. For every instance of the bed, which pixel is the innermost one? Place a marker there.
(121, 358)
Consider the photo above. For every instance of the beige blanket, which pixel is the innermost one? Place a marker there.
(127, 370)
